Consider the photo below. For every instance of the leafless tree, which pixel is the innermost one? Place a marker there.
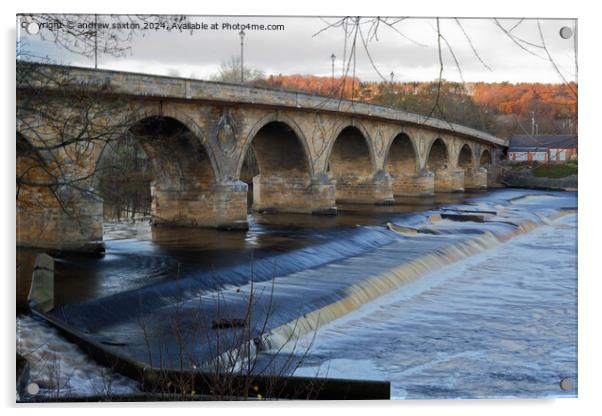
(56, 135)
(229, 71)
(58, 138)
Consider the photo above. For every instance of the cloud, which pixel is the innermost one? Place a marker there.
(411, 55)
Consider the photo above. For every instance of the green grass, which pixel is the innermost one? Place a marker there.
(556, 170)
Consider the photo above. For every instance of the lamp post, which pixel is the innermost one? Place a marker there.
(392, 92)
(332, 58)
(242, 62)
(532, 123)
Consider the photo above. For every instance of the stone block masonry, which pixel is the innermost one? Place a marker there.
(308, 152)
(449, 180)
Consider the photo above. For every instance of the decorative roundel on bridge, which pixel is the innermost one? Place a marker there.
(226, 132)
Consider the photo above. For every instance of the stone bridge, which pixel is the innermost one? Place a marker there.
(311, 152)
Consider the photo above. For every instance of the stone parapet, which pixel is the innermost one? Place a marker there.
(128, 83)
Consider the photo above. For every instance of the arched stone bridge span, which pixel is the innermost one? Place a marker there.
(311, 152)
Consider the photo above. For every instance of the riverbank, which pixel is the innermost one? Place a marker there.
(560, 177)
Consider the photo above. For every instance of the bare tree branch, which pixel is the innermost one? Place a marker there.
(471, 45)
(543, 43)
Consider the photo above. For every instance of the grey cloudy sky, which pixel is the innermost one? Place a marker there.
(411, 55)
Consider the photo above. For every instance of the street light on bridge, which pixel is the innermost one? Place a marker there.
(242, 62)
(332, 58)
(392, 88)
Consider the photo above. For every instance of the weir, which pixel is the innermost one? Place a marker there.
(297, 298)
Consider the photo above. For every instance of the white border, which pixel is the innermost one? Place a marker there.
(590, 153)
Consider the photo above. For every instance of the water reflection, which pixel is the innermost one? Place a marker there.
(138, 255)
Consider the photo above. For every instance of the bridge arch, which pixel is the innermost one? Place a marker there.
(173, 170)
(401, 155)
(441, 161)
(34, 172)
(279, 152)
(351, 152)
(475, 176)
(402, 163)
(485, 159)
(175, 151)
(351, 162)
(438, 156)
(170, 112)
(289, 129)
(466, 159)
(277, 162)
(354, 133)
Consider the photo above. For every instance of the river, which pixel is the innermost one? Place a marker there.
(457, 310)
(501, 324)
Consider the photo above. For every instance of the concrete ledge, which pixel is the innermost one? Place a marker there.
(41, 293)
(282, 387)
(92, 248)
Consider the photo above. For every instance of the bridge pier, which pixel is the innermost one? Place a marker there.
(223, 205)
(74, 224)
(198, 135)
(493, 172)
(414, 184)
(449, 180)
(294, 194)
(361, 190)
(475, 178)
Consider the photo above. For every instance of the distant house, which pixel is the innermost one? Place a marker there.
(542, 148)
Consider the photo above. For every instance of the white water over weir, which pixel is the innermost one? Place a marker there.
(161, 323)
(483, 327)
(372, 287)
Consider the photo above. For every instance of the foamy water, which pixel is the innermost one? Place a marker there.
(59, 368)
(500, 324)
